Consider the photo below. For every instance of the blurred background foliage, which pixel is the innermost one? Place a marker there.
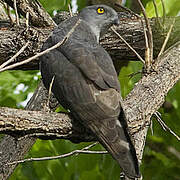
(161, 159)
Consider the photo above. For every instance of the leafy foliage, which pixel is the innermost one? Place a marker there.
(55, 5)
(172, 8)
(159, 163)
(10, 94)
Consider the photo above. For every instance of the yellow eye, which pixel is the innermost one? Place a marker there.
(100, 10)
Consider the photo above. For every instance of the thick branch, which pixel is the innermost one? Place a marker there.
(22, 122)
(18, 123)
(13, 149)
(11, 40)
(149, 94)
(144, 100)
(37, 15)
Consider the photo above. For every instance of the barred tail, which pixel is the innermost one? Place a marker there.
(114, 137)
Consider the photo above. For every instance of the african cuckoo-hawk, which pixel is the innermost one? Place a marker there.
(86, 83)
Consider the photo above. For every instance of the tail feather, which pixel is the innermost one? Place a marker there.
(116, 140)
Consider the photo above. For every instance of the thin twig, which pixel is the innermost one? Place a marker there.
(158, 114)
(15, 56)
(27, 21)
(155, 8)
(70, 10)
(43, 52)
(50, 90)
(149, 50)
(16, 13)
(6, 6)
(164, 126)
(166, 40)
(133, 74)
(151, 126)
(146, 43)
(156, 11)
(130, 47)
(90, 146)
(164, 11)
(75, 152)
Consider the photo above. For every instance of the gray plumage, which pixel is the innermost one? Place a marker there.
(86, 82)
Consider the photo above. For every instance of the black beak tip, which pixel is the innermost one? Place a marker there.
(116, 22)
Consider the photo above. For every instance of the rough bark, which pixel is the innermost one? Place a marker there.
(41, 124)
(37, 15)
(149, 94)
(12, 39)
(13, 149)
(146, 97)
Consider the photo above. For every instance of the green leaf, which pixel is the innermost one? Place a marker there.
(172, 8)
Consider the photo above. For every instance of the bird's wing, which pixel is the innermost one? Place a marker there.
(96, 67)
(108, 71)
(69, 85)
(91, 59)
(97, 109)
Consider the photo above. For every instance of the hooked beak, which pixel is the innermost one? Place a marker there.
(116, 21)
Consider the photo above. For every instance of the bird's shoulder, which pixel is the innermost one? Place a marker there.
(82, 50)
(81, 34)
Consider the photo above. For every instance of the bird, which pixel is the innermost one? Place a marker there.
(85, 81)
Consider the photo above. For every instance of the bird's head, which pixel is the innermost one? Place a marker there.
(99, 18)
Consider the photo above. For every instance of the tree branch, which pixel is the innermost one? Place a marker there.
(13, 149)
(12, 39)
(149, 94)
(37, 15)
(38, 54)
(144, 100)
(19, 123)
